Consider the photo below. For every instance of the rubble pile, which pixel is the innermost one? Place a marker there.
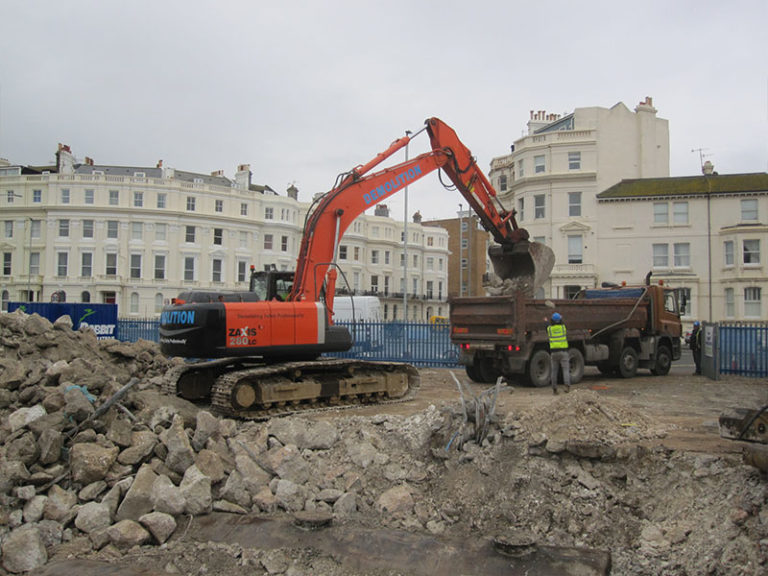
(496, 286)
(587, 417)
(124, 483)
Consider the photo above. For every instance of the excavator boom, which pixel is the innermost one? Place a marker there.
(358, 191)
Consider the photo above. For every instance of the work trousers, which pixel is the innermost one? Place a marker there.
(560, 357)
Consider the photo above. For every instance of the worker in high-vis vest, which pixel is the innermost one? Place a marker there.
(558, 352)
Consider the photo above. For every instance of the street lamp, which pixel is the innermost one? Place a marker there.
(461, 245)
(29, 262)
(405, 241)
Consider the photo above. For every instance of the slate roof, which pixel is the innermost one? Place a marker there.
(644, 188)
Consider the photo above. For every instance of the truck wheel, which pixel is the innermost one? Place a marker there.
(576, 362)
(663, 362)
(487, 372)
(628, 362)
(539, 369)
(473, 372)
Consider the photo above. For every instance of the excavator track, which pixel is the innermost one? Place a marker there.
(258, 391)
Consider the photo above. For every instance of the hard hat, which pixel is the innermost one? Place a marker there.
(696, 323)
(556, 317)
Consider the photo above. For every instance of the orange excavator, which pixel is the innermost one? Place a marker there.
(262, 351)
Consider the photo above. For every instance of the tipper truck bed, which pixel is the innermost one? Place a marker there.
(617, 329)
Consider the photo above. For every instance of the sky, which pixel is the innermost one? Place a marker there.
(305, 90)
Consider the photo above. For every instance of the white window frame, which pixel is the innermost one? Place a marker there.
(159, 268)
(729, 297)
(660, 213)
(729, 254)
(680, 213)
(88, 229)
(217, 267)
(86, 264)
(681, 254)
(575, 249)
(749, 210)
(110, 264)
(660, 257)
(62, 264)
(574, 204)
(190, 269)
(135, 270)
(752, 252)
(539, 206)
(539, 164)
(753, 304)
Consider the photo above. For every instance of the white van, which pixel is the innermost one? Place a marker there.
(356, 309)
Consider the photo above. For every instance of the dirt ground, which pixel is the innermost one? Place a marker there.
(672, 497)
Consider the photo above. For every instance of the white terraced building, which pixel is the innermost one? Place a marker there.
(594, 185)
(137, 236)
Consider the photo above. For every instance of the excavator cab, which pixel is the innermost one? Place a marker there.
(271, 284)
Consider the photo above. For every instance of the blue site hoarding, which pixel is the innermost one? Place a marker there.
(101, 318)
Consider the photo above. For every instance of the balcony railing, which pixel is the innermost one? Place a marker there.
(575, 270)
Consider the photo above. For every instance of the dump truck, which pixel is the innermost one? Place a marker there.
(619, 329)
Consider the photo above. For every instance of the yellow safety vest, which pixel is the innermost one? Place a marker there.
(557, 337)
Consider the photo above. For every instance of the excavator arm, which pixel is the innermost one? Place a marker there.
(358, 190)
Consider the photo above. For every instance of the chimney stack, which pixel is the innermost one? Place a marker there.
(243, 177)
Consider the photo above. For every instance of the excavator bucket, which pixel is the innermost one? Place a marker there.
(522, 266)
(746, 424)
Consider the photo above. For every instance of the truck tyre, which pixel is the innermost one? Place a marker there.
(539, 369)
(488, 373)
(576, 362)
(628, 362)
(663, 361)
(473, 373)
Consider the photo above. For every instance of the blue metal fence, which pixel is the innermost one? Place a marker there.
(743, 348)
(420, 344)
(132, 329)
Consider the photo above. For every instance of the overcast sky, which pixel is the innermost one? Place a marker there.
(305, 90)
